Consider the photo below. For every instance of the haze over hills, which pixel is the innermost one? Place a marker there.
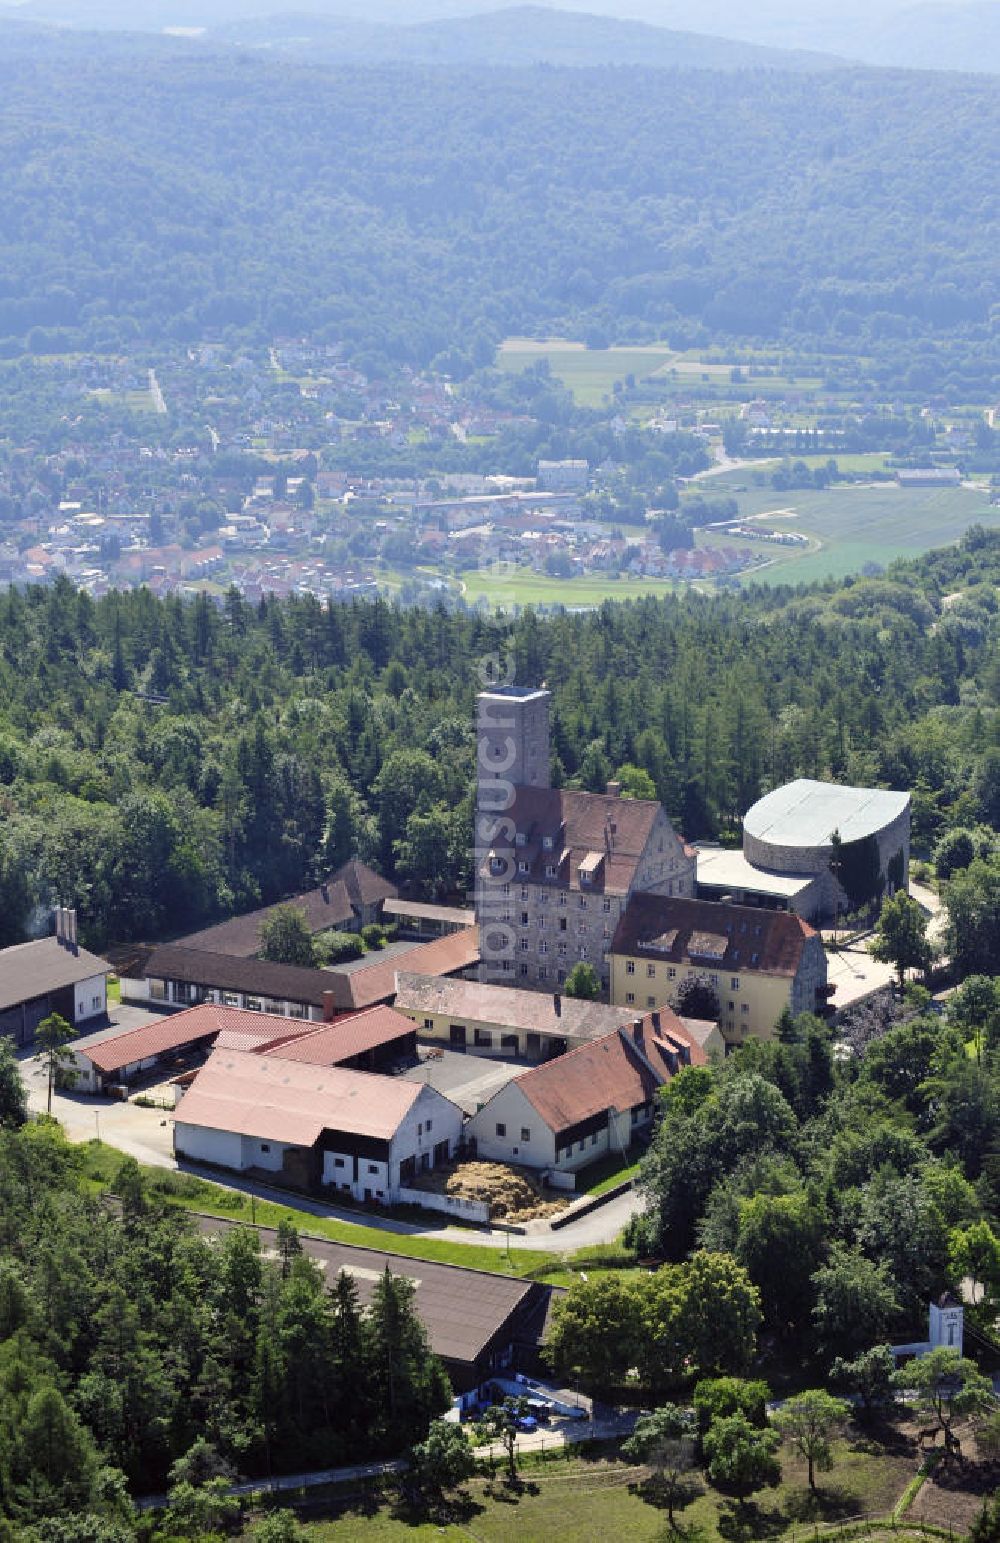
(936, 34)
(519, 35)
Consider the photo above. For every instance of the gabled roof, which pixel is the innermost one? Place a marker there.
(228, 972)
(533, 1011)
(712, 934)
(609, 832)
(30, 970)
(364, 886)
(347, 1037)
(324, 908)
(235, 1028)
(274, 1099)
(619, 1071)
(359, 988)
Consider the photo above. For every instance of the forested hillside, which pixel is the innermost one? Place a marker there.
(164, 762)
(179, 193)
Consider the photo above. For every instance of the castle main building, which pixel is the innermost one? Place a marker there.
(555, 868)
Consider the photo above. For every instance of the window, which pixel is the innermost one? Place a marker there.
(542, 973)
(95, 1001)
(562, 924)
(562, 897)
(630, 967)
(505, 966)
(501, 1130)
(671, 973)
(630, 998)
(560, 976)
(550, 870)
(745, 1008)
(296, 1010)
(581, 952)
(651, 972)
(650, 1001)
(583, 902)
(428, 1124)
(607, 905)
(420, 1128)
(541, 924)
(525, 1133)
(524, 891)
(523, 969)
(754, 958)
(509, 1042)
(714, 979)
(524, 945)
(581, 1146)
(543, 947)
(514, 1151)
(338, 1162)
(230, 999)
(734, 984)
(547, 843)
(252, 1004)
(562, 950)
(522, 866)
(483, 1037)
(373, 1167)
(524, 918)
(581, 927)
(429, 1023)
(593, 1139)
(605, 931)
(265, 1146)
(505, 890)
(520, 839)
(732, 1007)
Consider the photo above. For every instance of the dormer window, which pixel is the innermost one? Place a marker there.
(547, 843)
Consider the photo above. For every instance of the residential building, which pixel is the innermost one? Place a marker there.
(563, 476)
(51, 975)
(758, 961)
(501, 1021)
(596, 1100)
(319, 1127)
(555, 868)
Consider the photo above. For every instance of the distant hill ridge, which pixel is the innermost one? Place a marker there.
(526, 34)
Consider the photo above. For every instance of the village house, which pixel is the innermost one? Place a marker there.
(597, 1100)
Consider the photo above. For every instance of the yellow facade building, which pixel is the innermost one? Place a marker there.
(758, 961)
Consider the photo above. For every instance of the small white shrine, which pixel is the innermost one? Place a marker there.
(945, 1328)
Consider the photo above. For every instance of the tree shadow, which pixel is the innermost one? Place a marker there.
(457, 1510)
(504, 1493)
(828, 1503)
(655, 1492)
(739, 1523)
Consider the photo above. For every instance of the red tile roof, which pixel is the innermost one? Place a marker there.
(279, 1100)
(347, 1037)
(235, 1028)
(580, 824)
(619, 1071)
(712, 933)
(377, 982)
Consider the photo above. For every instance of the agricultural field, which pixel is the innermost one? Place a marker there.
(589, 373)
(523, 587)
(851, 525)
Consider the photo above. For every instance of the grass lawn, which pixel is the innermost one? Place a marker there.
(572, 1498)
(523, 587)
(854, 525)
(100, 1163)
(601, 1176)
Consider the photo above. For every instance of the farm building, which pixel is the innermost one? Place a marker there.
(317, 1126)
(51, 975)
(596, 1100)
(500, 1020)
(476, 1322)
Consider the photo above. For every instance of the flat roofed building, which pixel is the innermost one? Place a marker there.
(500, 1020)
(758, 961)
(595, 1100)
(50, 975)
(792, 830)
(319, 1127)
(725, 874)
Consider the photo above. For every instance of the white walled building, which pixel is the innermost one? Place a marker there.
(317, 1126)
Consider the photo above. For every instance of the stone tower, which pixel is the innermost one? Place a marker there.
(512, 751)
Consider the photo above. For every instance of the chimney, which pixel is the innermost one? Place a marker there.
(71, 929)
(637, 1030)
(614, 790)
(324, 890)
(328, 1013)
(57, 914)
(557, 1004)
(656, 1020)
